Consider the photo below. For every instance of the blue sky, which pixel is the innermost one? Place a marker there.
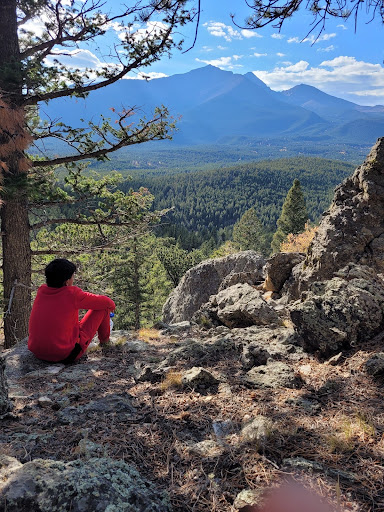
(341, 62)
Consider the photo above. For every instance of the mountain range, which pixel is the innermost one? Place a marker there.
(220, 107)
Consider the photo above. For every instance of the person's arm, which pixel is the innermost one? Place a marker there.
(86, 300)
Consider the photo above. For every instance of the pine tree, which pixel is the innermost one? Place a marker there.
(293, 216)
(31, 74)
(249, 233)
(177, 261)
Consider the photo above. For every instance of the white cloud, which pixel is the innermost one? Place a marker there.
(280, 54)
(329, 48)
(206, 49)
(259, 54)
(146, 76)
(312, 39)
(250, 33)
(223, 62)
(222, 47)
(152, 29)
(342, 26)
(36, 25)
(218, 29)
(277, 36)
(372, 92)
(343, 76)
(79, 59)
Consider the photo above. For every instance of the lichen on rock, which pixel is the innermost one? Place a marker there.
(342, 312)
(99, 484)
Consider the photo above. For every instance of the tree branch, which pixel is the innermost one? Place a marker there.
(80, 222)
(127, 140)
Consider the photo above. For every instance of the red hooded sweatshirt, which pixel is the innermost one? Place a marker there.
(54, 320)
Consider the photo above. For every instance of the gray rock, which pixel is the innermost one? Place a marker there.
(352, 230)
(273, 375)
(195, 351)
(342, 312)
(148, 374)
(44, 402)
(208, 448)
(181, 326)
(248, 497)
(89, 449)
(223, 428)
(254, 355)
(119, 406)
(241, 305)
(300, 463)
(279, 268)
(264, 344)
(7, 466)
(100, 485)
(21, 362)
(77, 372)
(375, 365)
(204, 280)
(251, 278)
(198, 377)
(257, 430)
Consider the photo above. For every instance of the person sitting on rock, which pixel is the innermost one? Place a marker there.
(55, 333)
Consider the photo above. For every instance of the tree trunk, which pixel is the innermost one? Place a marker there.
(136, 285)
(5, 404)
(16, 268)
(14, 208)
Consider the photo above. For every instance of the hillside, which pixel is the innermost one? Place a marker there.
(216, 199)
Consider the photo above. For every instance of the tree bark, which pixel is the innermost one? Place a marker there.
(5, 404)
(16, 268)
(14, 209)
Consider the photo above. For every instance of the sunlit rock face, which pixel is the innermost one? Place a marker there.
(352, 230)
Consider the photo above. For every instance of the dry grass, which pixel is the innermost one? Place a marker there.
(172, 380)
(147, 334)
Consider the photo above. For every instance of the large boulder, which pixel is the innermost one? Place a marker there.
(279, 268)
(241, 306)
(204, 280)
(341, 312)
(352, 230)
(99, 484)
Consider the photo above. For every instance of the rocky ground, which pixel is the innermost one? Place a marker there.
(215, 437)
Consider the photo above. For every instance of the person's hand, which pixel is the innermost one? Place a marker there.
(290, 498)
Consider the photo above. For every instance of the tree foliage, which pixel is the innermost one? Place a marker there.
(293, 216)
(177, 261)
(276, 12)
(249, 233)
(34, 71)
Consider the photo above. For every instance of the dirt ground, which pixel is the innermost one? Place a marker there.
(335, 420)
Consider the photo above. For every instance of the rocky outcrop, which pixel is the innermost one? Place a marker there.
(352, 230)
(273, 375)
(99, 484)
(242, 306)
(279, 268)
(204, 280)
(341, 312)
(268, 344)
